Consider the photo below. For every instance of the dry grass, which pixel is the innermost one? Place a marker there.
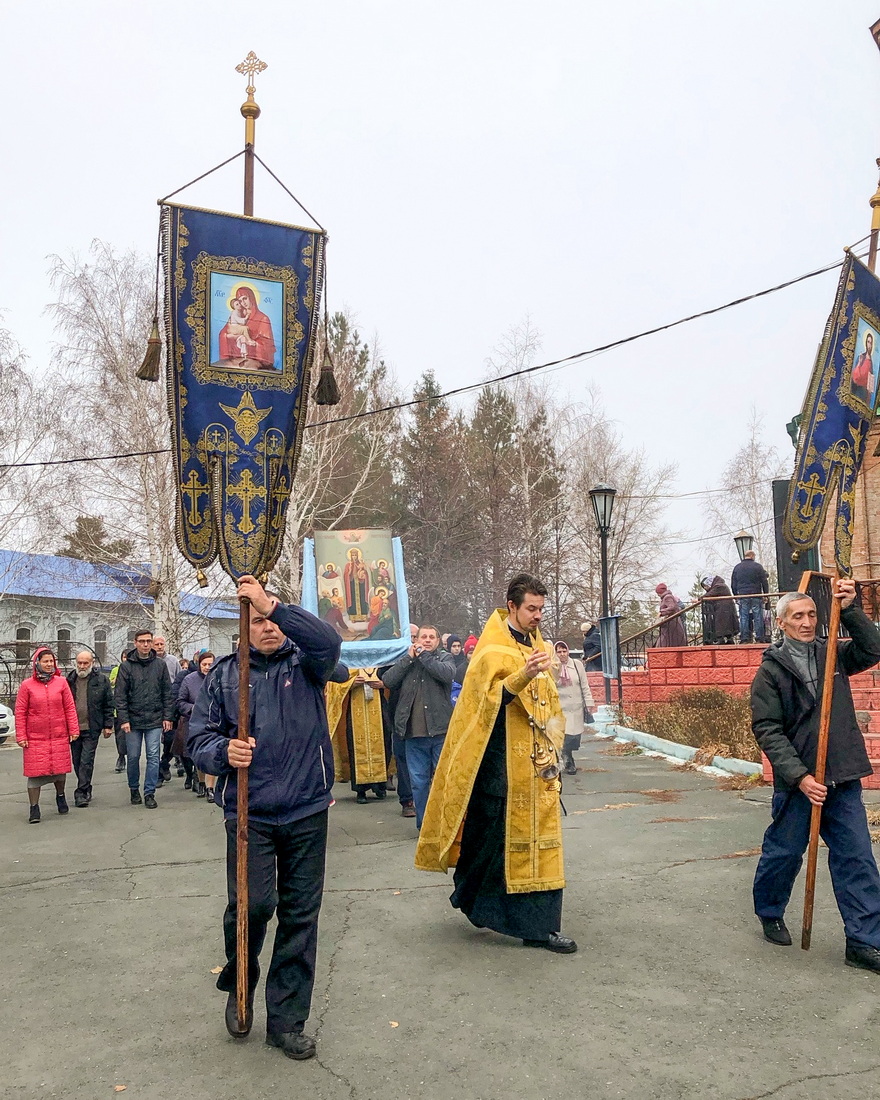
(626, 748)
(708, 719)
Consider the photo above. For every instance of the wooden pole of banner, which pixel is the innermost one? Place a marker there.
(821, 755)
(250, 112)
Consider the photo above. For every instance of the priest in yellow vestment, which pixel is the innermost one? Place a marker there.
(360, 729)
(494, 812)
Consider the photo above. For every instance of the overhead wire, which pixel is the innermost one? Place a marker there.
(458, 390)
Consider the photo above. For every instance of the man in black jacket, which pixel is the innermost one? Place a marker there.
(423, 680)
(94, 709)
(786, 699)
(750, 582)
(144, 708)
(290, 777)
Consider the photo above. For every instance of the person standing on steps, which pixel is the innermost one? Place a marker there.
(786, 699)
(93, 697)
(145, 708)
(45, 725)
(290, 762)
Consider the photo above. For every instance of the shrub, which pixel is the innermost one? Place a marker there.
(702, 718)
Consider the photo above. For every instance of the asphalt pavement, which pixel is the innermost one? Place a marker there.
(110, 927)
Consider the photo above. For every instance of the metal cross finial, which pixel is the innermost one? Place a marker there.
(249, 68)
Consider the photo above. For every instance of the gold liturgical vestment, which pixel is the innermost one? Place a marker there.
(368, 766)
(533, 825)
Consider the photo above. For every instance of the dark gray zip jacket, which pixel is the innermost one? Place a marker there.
(435, 671)
(143, 692)
(785, 716)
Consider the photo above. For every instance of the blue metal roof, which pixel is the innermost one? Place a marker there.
(51, 576)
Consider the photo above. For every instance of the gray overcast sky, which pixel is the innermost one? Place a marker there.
(603, 168)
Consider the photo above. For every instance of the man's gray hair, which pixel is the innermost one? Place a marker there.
(788, 599)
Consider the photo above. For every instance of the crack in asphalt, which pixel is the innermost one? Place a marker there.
(328, 989)
(130, 875)
(811, 1077)
(109, 870)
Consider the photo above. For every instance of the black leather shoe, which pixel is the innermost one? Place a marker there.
(231, 1016)
(150, 801)
(294, 1044)
(361, 799)
(776, 932)
(80, 801)
(120, 764)
(61, 803)
(380, 793)
(562, 945)
(136, 799)
(863, 958)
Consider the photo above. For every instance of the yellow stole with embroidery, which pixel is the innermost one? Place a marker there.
(368, 740)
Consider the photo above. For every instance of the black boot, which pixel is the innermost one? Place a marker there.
(61, 803)
(34, 815)
(293, 1043)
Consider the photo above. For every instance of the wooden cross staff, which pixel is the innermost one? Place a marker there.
(821, 755)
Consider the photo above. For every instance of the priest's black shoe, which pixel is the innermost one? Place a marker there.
(863, 958)
(776, 932)
(293, 1043)
(231, 1016)
(562, 945)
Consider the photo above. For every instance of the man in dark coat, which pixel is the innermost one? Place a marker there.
(592, 647)
(290, 762)
(749, 581)
(423, 680)
(94, 708)
(144, 708)
(786, 699)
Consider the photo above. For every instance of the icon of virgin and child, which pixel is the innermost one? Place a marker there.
(362, 602)
(246, 340)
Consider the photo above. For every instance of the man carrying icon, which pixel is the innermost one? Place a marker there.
(493, 812)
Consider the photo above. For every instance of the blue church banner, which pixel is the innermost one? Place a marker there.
(241, 310)
(837, 413)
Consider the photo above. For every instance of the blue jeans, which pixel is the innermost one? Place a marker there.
(854, 876)
(422, 754)
(751, 619)
(133, 741)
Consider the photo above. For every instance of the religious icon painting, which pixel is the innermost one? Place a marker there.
(866, 358)
(241, 315)
(356, 583)
(245, 313)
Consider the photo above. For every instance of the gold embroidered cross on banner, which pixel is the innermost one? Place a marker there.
(246, 491)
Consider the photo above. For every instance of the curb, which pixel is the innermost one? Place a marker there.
(672, 748)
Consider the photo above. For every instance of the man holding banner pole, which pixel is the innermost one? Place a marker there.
(786, 703)
(289, 760)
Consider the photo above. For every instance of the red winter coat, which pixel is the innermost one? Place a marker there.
(45, 717)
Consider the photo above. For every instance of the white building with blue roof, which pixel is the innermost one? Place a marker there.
(72, 604)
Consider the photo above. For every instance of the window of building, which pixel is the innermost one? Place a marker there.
(23, 642)
(101, 645)
(62, 649)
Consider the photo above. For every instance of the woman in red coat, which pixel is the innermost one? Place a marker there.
(45, 724)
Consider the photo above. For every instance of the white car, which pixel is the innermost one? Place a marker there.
(7, 723)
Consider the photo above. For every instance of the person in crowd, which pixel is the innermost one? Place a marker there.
(672, 631)
(174, 669)
(423, 679)
(290, 762)
(189, 690)
(357, 712)
(499, 777)
(720, 625)
(592, 646)
(786, 699)
(749, 581)
(117, 728)
(398, 749)
(144, 707)
(93, 697)
(45, 725)
(456, 650)
(576, 701)
(470, 644)
(178, 745)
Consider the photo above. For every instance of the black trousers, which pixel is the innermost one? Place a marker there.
(83, 750)
(285, 873)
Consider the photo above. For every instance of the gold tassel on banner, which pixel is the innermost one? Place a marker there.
(148, 371)
(327, 389)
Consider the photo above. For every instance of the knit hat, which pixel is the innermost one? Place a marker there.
(470, 644)
(452, 638)
(660, 589)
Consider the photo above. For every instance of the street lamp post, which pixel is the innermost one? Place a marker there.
(602, 497)
(744, 542)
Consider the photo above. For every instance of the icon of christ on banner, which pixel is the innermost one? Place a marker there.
(863, 381)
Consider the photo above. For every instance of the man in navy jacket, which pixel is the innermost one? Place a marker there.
(290, 762)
